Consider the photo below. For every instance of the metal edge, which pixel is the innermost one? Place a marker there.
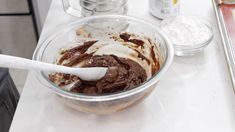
(225, 41)
(225, 2)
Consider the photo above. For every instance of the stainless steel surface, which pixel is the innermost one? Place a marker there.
(17, 36)
(17, 32)
(14, 6)
(229, 53)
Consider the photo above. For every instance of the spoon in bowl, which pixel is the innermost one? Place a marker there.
(88, 74)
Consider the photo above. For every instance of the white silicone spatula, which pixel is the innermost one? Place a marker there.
(88, 74)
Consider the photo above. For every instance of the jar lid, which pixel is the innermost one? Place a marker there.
(188, 34)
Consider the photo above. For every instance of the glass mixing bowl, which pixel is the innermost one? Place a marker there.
(47, 51)
(183, 26)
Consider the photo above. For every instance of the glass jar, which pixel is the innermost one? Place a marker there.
(86, 8)
(164, 8)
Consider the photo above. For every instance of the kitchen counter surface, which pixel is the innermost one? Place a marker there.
(195, 95)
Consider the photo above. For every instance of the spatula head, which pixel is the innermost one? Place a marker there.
(92, 73)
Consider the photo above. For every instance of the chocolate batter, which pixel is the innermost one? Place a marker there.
(123, 74)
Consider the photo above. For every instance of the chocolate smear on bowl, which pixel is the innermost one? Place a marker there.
(123, 74)
(127, 38)
(67, 54)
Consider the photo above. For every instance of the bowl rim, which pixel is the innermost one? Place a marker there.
(155, 78)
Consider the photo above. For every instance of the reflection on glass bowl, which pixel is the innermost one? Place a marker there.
(48, 50)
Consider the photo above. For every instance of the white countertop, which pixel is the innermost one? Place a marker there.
(196, 95)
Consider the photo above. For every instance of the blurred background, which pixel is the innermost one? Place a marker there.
(21, 22)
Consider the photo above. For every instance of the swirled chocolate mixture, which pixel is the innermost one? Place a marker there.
(121, 76)
(123, 73)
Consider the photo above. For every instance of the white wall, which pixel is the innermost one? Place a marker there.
(41, 9)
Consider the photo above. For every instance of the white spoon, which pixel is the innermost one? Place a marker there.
(89, 74)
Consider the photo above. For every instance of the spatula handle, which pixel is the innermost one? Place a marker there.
(22, 63)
